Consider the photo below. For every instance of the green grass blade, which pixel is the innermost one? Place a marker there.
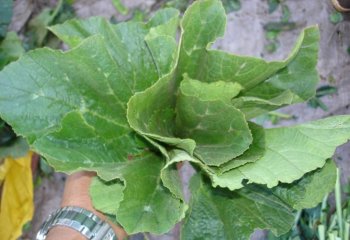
(338, 204)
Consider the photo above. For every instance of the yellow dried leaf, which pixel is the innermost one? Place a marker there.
(17, 205)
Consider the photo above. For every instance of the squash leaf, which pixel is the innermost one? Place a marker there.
(290, 153)
(141, 203)
(130, 101)
(217, 213)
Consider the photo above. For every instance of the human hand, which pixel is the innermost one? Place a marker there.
(76, 193)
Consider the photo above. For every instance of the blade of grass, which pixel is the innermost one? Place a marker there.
(331, 236)
(338, 204)
(347, 231)
(120, 7)
(321, 232)
(323, 214)
(333, 223)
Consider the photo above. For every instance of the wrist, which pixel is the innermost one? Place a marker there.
(77, 194)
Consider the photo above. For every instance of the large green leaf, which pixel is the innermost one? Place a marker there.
(294, 83)
(224, 215)
(290, 153)
(310, 190)
(216, 213)
(70, 118)
(73, 32)
(144, 204)
(220, 131)
(75, 102)
(136, 63)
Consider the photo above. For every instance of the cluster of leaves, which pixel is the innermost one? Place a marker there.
(316, 102)
(37, 32)
(325, 221)
(120, 7)
(274, 28)
(129, 102)
(336, 17)
(10, 49)
(10, 44)
(15, 159)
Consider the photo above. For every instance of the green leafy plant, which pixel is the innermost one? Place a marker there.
(325, 221)
(10, 50)
(5, 16)
(181, 5)
(335, 17)
(316, 102)
(274, 28)
(38, 34)
(231, 5)
(120, 7)
(129, 101)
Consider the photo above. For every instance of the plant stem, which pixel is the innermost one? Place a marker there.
(347, 230)
(323, 214)
(321, 232)
(338, 204)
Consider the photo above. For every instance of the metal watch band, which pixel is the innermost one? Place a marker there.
(79, 219)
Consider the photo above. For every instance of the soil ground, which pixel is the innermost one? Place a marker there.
(245, 35)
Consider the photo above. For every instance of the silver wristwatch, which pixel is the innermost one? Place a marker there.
(79, 219)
